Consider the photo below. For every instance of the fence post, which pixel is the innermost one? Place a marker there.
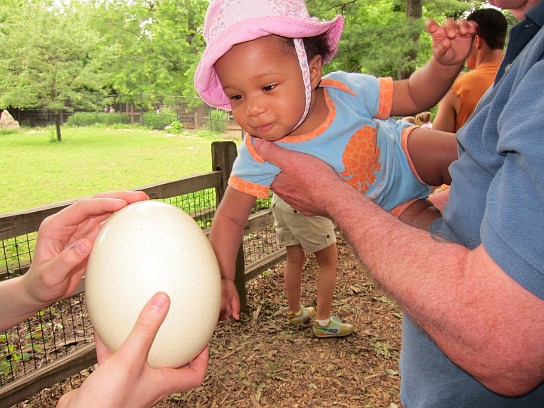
(223, 155)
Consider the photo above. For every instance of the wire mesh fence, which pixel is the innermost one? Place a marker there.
(65, 327)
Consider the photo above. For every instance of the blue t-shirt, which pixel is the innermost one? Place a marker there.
(496, 199)
(358, 139)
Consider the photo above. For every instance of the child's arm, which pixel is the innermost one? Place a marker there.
(426, 86)
(226, 234)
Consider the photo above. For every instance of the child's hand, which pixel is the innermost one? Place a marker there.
(230, 301)
(452, 41)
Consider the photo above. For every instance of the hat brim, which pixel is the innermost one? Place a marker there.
(206, 81)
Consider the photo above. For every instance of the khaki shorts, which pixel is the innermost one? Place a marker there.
(293, 228)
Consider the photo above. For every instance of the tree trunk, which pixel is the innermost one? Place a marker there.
(414, 11)
(58, 122)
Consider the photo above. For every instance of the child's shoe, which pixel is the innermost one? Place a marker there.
(303, 315)
(335, 328)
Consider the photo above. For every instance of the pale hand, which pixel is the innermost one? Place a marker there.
(64, 242)
(124, 379)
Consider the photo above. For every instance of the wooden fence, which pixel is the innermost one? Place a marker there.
(26, 222)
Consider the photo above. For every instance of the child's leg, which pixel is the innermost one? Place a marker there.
(432, 152)
(326, 325)
(327, 259)
(293, 276)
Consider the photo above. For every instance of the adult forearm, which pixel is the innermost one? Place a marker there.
(15, 304)
(459, 297)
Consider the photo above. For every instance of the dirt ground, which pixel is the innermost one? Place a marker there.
(262, 361)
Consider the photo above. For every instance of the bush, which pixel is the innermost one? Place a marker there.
(93, 118)
(175, 127)
(159, 120)
(218, 120)
(9, 131)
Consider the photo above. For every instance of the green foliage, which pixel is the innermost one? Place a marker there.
(152, 47)
(47, 58)
(175, 127)
(218, 120)
(93, 118)
(9, 131)
(67, 55)
(159, 120)
(379, 38)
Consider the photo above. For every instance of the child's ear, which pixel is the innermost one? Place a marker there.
(316, 65)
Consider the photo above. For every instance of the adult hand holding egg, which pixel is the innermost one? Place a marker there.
(125, 379)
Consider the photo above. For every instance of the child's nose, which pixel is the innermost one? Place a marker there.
(254, 107)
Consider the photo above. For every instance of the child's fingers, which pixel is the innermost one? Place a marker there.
(431, 26)
(451, 28)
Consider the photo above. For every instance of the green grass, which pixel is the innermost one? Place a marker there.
(37, 171)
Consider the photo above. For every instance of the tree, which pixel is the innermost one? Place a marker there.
(386, 37)
(47, 59)
(152, 46)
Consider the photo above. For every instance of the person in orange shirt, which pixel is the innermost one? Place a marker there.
(487, 52)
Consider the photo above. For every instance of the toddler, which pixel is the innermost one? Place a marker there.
(263, 61)
(300, 234)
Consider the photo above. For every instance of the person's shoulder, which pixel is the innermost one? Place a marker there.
(475, 77)
(349, 82)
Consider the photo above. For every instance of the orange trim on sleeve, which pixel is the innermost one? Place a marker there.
(336, 84)
(251, 149)
(406, 132)
(385, 104)
(320, 129)
(399, 209)
(251, 189)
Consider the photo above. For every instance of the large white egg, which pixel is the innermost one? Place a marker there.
(145, 248)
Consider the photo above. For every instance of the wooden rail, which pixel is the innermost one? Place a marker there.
(28, 221)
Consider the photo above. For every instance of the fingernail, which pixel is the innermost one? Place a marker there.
(159, 300)
(82, 247)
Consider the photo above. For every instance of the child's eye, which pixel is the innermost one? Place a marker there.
(235, 97)
(269, 87)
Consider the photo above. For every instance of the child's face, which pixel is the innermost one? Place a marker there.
(265, 87)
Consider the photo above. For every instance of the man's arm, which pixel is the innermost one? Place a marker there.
(446, 115)
(482, 320)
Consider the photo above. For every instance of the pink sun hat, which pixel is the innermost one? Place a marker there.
(231, 22)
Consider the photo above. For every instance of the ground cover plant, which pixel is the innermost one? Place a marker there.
(37, 171)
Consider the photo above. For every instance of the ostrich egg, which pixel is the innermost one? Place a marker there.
(145, 248)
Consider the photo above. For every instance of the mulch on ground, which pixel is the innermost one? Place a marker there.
(262, 361)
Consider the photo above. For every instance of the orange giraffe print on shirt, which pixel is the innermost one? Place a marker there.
(361, 159)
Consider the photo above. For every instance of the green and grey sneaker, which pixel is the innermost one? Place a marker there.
(335, 328)
(303, 315)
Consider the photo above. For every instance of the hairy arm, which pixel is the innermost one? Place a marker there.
(482, 319)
